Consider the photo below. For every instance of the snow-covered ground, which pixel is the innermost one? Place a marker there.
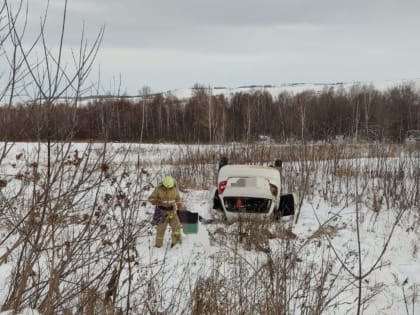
(324, 238)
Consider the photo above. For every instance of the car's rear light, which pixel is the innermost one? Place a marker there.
(222, 186)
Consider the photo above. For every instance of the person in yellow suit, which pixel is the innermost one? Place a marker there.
(167, 201)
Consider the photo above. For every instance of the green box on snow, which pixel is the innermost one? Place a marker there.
(189, 221)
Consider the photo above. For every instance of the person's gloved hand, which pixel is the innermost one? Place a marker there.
(183, 209)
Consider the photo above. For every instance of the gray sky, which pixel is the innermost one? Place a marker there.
(175, 44)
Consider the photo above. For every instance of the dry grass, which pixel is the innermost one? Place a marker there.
(71, 224)
(325, 231)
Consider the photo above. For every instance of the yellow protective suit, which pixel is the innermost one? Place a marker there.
(169, 201)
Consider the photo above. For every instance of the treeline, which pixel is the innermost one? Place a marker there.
(360, 113)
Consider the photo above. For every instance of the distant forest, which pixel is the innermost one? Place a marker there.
(360, 113)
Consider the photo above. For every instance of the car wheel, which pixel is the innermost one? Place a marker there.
(217, 205)
(223, 161)
(287, 206)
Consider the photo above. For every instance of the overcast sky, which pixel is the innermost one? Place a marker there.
(176, 43)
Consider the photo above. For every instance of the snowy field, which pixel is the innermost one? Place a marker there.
(75, 232)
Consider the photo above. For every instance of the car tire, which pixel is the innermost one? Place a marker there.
(287, 206)
(217, 205)
(223, 161)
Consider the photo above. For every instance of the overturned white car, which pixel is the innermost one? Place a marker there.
(252, 191)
